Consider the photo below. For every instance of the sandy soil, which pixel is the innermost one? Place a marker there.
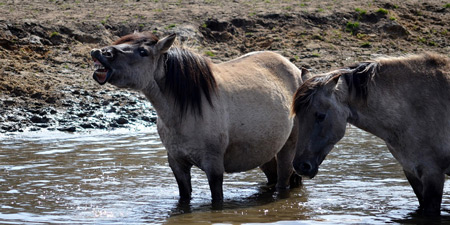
(45, 67)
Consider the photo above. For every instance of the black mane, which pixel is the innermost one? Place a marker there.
(357, 78)
(188, 75)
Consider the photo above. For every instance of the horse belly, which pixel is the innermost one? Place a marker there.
(247, 155)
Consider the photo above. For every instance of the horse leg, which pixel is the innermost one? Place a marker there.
(270, 170)
(433, 187)
(416, 184)
(182, 172)
(284, 160)
(214, 171)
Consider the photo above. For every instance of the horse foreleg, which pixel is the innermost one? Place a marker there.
(215, 180)
(270, 170)
(433, 186)
(182, 172)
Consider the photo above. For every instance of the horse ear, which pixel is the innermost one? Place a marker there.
(305, 74)
(332, 83)
(164, 44)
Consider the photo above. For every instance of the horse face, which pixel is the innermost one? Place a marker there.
(131, 64)
(321, 126)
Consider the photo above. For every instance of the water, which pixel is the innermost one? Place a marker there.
(123, 177)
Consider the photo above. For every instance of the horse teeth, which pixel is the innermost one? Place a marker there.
(98, 66)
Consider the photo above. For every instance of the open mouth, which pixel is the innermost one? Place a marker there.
(102, 73)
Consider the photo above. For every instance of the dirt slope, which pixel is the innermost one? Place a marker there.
(45, 68)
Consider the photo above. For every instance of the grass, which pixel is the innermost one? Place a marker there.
(210, 53)
(366, 45)
(53, 34)
(170, 26)
(105, 20)
(318, 37)
(352, 27)
(382, 11)
(447, 5)
(361, 12)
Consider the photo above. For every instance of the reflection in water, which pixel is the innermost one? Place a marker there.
(123, 177)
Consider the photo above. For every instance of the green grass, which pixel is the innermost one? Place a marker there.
(53, 34)
(170, 26)
(105, 20)
(447, 5)
(361, 12)
(352, 27)
(366, 45)
(422, 39)
(210, 53)
(382, 11)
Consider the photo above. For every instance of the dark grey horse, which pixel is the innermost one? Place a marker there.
(405, 101)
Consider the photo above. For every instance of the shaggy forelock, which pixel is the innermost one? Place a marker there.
(137, 37)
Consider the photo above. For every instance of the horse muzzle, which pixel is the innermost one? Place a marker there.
(305, 168)
(102, 67)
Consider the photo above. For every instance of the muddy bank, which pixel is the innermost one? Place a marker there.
(45, 68)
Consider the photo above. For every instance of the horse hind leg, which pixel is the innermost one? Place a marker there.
(428, 189)
(285, 172)
(416, 184)
(433, 187)
(270, 170)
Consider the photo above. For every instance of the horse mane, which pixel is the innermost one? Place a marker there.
(187, 76)
(360, 75)
(304, 95)
(137, 37)
(357, 78)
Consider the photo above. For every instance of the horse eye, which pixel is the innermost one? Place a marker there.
(143, 52)
(320, 117)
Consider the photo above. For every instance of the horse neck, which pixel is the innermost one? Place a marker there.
(375, 114)
(162, 102)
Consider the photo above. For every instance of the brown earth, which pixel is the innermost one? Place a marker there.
(45, 67)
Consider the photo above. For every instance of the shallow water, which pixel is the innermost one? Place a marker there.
(123, 177)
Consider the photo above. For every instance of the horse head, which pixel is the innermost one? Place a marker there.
(131, 61)
(322, 116)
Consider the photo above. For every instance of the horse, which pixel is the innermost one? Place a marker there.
(222, 118)
(405, 101)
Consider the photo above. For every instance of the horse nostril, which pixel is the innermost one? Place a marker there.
(305, 167)
(108, 53)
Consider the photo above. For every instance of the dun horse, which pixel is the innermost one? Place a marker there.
(405, 101)
(227, 117)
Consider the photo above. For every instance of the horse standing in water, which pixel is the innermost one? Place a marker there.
(227, 117)
(405, 101)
